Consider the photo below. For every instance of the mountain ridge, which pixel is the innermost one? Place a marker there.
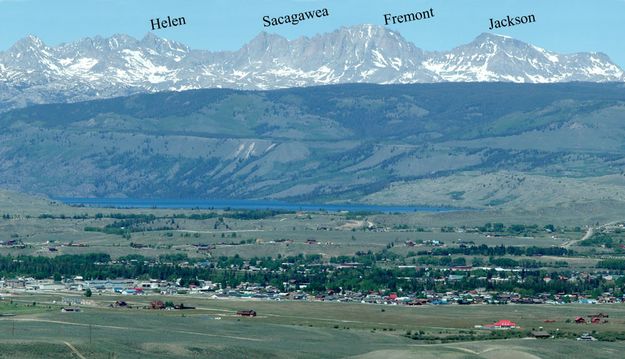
(91, 68)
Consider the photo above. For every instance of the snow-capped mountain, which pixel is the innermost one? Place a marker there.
(500, 58)
(31, 72)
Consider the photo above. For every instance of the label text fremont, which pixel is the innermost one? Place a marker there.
(419, 15)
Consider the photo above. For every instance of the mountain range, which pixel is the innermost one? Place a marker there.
(94, 68)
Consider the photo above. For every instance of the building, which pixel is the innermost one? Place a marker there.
(157, 304)
(541, 334)
(599, 315)
(70, 310)
(502, 324)
(247, 313)
(586, 337)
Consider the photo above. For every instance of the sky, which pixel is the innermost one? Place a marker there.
(564, 26)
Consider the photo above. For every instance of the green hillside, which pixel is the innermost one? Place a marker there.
(473, 144)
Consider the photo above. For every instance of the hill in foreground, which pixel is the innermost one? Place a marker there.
(458, 144)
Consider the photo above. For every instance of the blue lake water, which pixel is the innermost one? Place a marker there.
(241, 204)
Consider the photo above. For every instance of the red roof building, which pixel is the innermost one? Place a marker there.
(502, 324)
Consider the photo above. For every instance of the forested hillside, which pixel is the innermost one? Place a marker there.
(476, 144)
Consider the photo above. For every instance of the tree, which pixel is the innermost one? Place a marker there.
(88, 292)
(477, 261)
(498, 227)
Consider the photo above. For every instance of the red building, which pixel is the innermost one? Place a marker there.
(502, 324)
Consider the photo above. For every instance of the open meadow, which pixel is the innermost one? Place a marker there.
(321, 330)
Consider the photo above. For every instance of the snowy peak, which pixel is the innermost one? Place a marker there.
(493, 57)
(366, 35)
(28, 43)
(29, 62)
(30, 48)
(98, 67)
(350, 54)
(489, 37)
(162, 45)
(265, 45)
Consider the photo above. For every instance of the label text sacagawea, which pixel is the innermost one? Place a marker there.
(294, 19)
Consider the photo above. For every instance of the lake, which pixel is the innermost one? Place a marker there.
(242, 204)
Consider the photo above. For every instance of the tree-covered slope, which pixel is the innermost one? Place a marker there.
(325, 143)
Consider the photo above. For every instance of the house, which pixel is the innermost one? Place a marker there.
(502, 324)
(599, 315)
(247, 313)
(70, 309)
(587, 301)
(71, 301)
(116, 285)
(454, 277)
(348, 265)
(462, 268)
(540, 334)
(120, 304)
(586, 337)
(15, 283)
(580, 320)
(417, 301)
(157, 304)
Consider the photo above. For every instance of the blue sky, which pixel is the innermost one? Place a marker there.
(562, 25)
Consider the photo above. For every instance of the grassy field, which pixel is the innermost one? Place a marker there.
(286, 330)
(335, 233)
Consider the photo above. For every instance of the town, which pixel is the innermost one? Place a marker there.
(301, 278)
